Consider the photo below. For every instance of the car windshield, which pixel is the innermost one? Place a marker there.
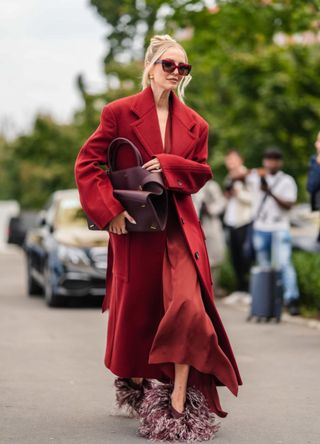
(70, 213)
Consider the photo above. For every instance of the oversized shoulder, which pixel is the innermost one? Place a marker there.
(196, 116)
(112, 111)
(116, 105)
(122, 101)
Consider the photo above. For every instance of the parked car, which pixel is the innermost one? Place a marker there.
(18, 227)
(64, 258)
(8, 208)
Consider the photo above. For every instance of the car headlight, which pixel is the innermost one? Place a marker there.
(72, 255)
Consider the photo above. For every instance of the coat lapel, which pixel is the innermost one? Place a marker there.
(147, 129)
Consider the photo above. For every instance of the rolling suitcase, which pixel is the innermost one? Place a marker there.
(266, 293)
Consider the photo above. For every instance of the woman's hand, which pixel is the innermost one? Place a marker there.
(152, 164)
(118, 224)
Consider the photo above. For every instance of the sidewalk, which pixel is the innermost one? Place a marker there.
(242, 301)
(279, 363)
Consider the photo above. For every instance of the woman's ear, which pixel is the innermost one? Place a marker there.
(150, 73)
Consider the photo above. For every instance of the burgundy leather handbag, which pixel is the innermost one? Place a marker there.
(141, 192)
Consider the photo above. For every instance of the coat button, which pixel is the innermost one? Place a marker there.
(179, 183)
(182, 220)
(196, 254)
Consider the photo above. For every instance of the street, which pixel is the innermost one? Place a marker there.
(55, 388)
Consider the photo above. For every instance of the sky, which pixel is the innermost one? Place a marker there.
(44, 45)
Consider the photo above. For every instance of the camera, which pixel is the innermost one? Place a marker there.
(228, 185)
(263, 182)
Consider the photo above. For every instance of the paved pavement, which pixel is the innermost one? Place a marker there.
(54, 387)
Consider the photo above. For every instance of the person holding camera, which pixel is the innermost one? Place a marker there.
(238, 216)
(276, 193)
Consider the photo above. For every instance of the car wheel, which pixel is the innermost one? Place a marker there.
(32, 285)
(51, 298)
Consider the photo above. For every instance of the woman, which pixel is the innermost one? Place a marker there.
(163, 323)
(210, 205)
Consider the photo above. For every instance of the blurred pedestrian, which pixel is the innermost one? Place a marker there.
(276, 193)
(210, 204)
(313, 184)
(238, 216)
(163, 322)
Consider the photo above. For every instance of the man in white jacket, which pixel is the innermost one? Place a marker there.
(275, 194)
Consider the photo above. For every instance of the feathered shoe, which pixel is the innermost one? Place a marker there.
(129, 395)
(158, 423)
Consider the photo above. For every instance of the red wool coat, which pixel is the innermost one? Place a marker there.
(134, 273)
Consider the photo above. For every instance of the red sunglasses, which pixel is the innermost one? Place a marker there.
(169, 66)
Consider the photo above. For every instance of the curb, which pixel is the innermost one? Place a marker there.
(285, 317)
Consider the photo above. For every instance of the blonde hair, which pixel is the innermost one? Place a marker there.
(158, 45)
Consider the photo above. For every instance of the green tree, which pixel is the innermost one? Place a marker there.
(41, 162)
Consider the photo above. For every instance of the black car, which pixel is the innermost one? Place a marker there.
(18, 227)
(64, 258)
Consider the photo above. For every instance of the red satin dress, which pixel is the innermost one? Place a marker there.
(186, 334)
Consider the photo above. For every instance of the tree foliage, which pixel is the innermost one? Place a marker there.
(36, 164)
(255, 79)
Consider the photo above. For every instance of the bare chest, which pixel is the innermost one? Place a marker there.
(162, 118)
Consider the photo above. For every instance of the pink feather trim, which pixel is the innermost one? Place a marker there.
(157, 424)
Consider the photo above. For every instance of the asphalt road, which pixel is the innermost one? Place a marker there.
(54, 387)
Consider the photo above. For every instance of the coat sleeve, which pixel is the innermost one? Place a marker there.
(187, 175)
(214, 199)
(94, 185)
(243, 193)
(313, 183)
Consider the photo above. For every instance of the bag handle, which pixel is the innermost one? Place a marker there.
(113, 150)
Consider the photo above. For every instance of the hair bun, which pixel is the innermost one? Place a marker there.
(156, 39)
